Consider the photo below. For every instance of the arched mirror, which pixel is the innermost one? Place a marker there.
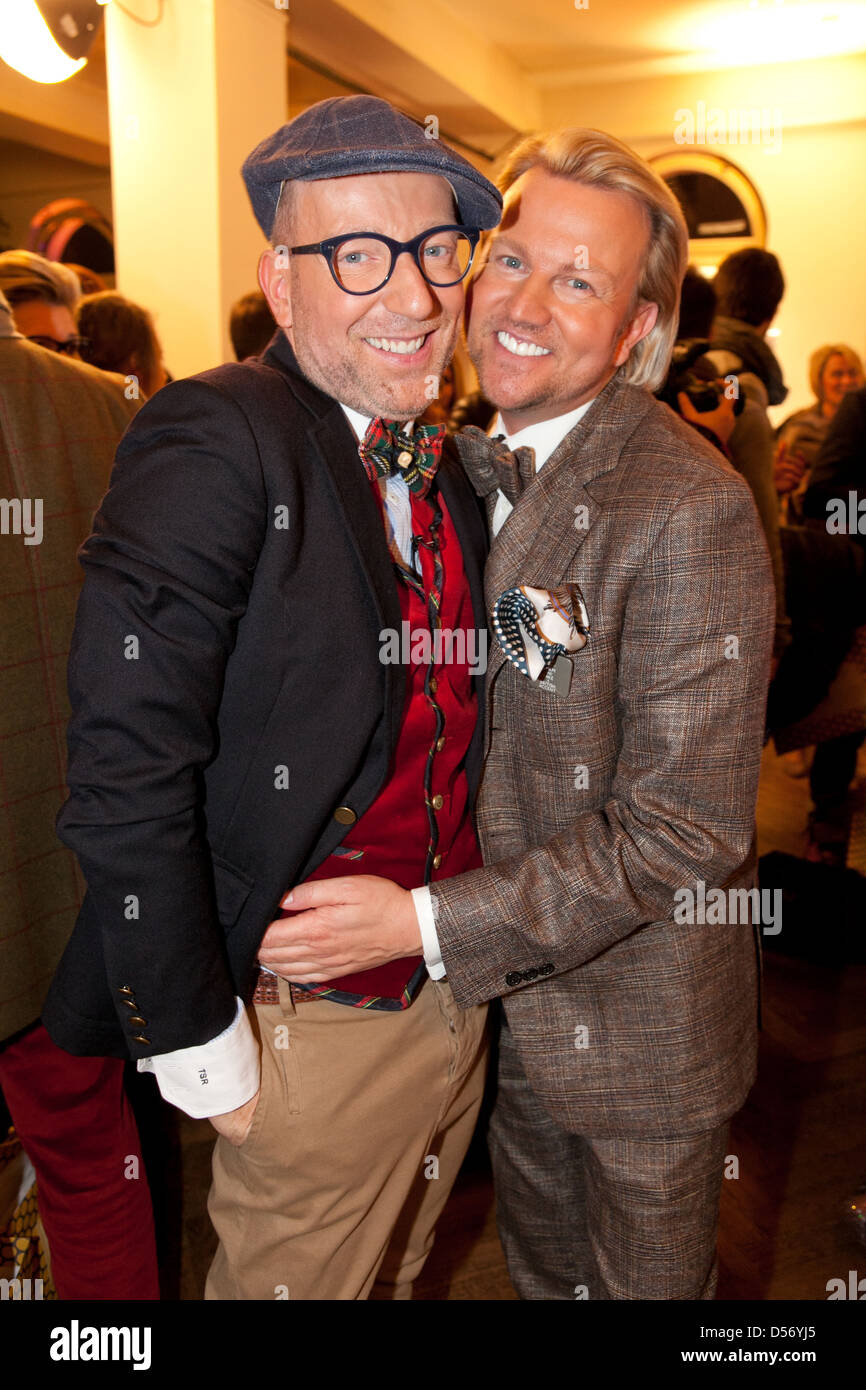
(722, 207)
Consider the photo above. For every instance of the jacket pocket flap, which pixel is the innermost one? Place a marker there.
(232, 890)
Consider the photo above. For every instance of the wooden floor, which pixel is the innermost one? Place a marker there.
(800, 1141)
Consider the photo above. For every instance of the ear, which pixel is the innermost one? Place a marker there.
(274, 282)
(642, 323)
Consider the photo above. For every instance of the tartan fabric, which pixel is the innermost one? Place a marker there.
(60, 423)
(386, 448)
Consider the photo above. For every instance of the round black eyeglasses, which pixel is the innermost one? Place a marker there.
(363, 262)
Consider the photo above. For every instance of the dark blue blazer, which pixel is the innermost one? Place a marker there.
(218, 655)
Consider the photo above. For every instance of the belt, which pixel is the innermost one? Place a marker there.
(267, 991)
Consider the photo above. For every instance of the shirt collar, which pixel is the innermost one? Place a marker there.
(543, 437)
(360, 422)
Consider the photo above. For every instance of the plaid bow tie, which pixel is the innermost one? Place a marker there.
(490, 464)
(386, 449)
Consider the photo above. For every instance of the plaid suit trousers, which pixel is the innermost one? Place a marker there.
(582, 1217)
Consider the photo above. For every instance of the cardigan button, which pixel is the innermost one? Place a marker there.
(139, 1037)
(137, 1020)
(437, 860)
(345, 815)
(440, 743)
(124, 989)
(438, 802)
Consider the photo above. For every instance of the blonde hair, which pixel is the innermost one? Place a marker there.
(599, 160)
(818, 362)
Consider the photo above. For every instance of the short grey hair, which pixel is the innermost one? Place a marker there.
(280, 229)
(599, 160)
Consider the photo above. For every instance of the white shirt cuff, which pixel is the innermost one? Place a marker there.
(213, 1078)
(429, 940)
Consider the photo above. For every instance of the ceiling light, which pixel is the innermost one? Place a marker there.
(48, 40)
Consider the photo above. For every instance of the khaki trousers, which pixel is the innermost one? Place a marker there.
(363, 1121)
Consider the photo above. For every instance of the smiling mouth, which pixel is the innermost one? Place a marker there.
(521, 347)
(402, 346)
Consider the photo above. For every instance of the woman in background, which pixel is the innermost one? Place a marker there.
(120, 337)
(833, 370)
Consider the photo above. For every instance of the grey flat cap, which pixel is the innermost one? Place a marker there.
(361, 135)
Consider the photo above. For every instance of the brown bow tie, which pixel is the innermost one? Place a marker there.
(490, 464)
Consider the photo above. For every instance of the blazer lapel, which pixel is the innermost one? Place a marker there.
(338, 450)
(333, 440)
(555, 514)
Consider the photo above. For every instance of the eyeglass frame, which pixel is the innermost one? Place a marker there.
(65, 348)
(327, 248)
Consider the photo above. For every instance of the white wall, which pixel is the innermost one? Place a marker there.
(811, 182)
(813, 193)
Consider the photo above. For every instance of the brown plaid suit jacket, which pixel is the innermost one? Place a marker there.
(581, 879)
(60, 423)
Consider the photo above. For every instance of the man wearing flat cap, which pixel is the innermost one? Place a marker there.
(275, 677)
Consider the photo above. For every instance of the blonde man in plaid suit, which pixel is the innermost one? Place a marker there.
(631, 596)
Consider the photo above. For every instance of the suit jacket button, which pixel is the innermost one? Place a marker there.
(437, 860)
(345, 815)
(124, 989)
(546, 969)
(438, 802)
(130, 1003)
(139, 1037)
(137, 1020)
(513, 977)
(530, 974)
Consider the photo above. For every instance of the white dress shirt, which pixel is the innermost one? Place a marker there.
(544, 438)
(224, 1073)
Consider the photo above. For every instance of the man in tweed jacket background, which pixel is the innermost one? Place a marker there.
(60, 422)
(618, 783)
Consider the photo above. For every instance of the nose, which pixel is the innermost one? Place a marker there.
(528, 303)
(407, 293)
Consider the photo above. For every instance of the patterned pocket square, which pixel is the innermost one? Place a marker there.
(535, 627)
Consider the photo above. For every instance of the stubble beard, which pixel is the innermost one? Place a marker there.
(527, 400)
(361, 387)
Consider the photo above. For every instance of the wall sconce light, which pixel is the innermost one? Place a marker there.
(48, 40)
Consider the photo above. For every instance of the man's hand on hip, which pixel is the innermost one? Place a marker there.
(340, 926)
(235, 1125)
